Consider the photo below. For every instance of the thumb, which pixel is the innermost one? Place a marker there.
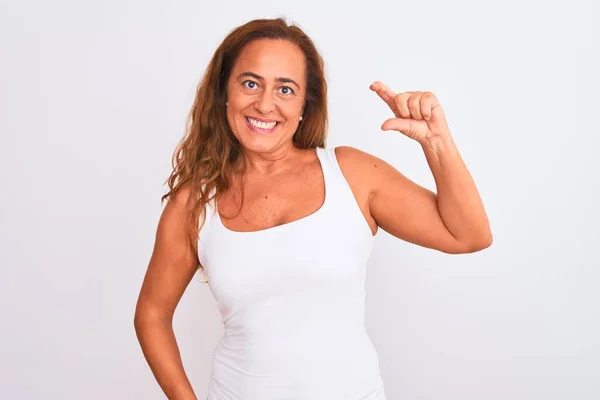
(397, 124)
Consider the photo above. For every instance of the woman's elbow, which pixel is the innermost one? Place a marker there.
(473, 245)
(482, 242)
(146, 316)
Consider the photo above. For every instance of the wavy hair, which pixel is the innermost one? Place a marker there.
(204, 159)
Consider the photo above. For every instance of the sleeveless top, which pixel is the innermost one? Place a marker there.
(292, 303)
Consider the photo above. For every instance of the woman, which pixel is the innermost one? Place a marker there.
(282, 227)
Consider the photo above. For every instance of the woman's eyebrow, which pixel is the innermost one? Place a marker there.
(260, 78)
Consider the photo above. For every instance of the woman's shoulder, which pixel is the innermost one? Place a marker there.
(359, 168)
(355, 161)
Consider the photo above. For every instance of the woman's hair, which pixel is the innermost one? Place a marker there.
(205, 157)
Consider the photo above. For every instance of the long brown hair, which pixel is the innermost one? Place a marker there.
(205, 157)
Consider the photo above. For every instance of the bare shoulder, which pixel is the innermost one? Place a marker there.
(173, 236)
(352, 156)
(360, 168)
(175, 220)
(182, 198)
(355, 160)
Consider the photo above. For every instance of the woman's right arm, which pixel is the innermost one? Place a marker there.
(172, 265)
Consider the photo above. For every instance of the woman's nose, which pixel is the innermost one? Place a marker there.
(265, 103)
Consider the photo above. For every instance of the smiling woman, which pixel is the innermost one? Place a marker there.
(254, 96)
(282, 226)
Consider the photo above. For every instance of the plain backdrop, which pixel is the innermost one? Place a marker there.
(94, 98)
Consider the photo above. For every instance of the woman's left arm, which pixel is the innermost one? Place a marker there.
(453, 220)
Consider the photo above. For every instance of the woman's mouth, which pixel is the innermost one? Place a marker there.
(261, 126)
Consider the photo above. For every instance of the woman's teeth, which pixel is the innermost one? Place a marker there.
(262, 125)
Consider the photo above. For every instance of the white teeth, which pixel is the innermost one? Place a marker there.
(262, 125)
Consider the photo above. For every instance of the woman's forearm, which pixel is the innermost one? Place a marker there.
(159, 345)
(458, 199)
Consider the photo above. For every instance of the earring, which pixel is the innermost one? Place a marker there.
(226, 104)
(300, 118)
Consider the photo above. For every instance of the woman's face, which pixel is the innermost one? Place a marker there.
(266, 94)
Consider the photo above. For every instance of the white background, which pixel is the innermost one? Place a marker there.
(93, 100)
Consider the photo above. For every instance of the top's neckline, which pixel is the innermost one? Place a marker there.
(287, 225)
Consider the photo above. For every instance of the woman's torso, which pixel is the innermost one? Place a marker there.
(291, 295)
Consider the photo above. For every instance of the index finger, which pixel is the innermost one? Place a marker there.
(385, 93)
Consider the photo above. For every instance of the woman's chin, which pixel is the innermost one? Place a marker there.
(261, 143)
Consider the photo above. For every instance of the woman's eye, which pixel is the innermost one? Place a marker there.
(249, 84)
(288, 90)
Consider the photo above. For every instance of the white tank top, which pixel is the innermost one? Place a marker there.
(292, 302)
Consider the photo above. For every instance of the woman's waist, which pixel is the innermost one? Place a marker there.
(311, 349)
